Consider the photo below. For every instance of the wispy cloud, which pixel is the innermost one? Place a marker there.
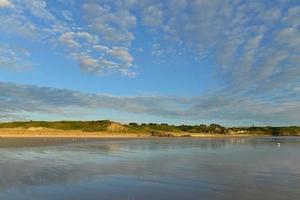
(253, 47)
(45, 26)
(14, 58)
(5, 4)
(44, 100)
(112, 26)
(241, 36)
(255, 44)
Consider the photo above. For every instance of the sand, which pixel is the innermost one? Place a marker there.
(49, 133)
(40, 132)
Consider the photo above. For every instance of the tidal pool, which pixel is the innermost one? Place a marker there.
(180, 168)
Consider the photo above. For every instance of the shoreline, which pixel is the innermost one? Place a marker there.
(54, 133)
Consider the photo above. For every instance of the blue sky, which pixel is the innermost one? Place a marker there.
(234, 62)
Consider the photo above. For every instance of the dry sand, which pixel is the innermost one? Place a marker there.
(44, 132)
(40, 132)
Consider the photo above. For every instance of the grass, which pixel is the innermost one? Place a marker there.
(62, 125)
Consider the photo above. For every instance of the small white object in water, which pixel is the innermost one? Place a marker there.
(278, 144)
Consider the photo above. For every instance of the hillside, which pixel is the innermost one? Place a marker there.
(152, 128)
(89, 126)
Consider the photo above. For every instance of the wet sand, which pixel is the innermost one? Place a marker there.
(14, 142)
(152, 168)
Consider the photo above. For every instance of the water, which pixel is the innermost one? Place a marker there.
(232, 168)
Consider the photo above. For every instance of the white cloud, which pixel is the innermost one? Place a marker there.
(68, 39)
(14, 24)
(128, 73)
(31, 19)
(89, 64)
(241, 37)
(112, 26)
(153, 15)
(101, 48)
(157, 50)
(5, 4)
(87, 37)
(43, 100)
(37, 8)
(251, 43)
(122, 54)
(77, 39)
(67, 15)
(254, 46)
(14, 58)
(34, 20)
(96, 58)
(107, 63)
(289, 38)
(292, 16)
(116, 59)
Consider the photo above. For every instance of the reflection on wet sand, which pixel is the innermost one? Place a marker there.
(223, 168)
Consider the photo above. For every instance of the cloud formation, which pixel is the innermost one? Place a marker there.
(253, 48)
(44, 100)
(112, 26)
(5, 3)
(242, 37)
(255, 44)
(14, 58)
(106, 27)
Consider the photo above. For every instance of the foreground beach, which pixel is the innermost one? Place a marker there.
(149, 168)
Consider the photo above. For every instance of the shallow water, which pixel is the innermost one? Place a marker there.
(185, 168)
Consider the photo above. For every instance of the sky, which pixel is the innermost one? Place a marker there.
(232, 62)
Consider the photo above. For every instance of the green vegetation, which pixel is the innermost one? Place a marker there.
(269, 130)
(213, 128)
(90, 126)
(155, 129)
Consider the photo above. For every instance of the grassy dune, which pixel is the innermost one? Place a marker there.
(107, 128)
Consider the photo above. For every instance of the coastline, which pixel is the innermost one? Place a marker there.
(54, 133)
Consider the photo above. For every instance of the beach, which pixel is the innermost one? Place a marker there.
(40, 132)
(149, 168)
